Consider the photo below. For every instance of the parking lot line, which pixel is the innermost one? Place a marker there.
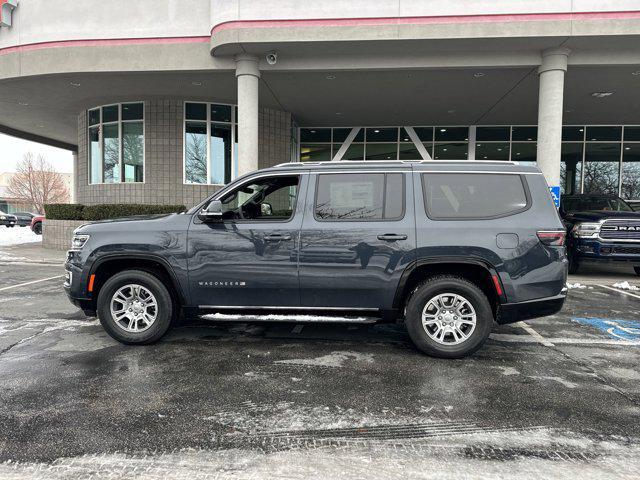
(620, 291)
(29, 283)
(534, 334)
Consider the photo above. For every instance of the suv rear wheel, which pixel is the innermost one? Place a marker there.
(134, 307)
(448, 317)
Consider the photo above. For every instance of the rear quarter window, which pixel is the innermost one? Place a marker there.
(461, 196)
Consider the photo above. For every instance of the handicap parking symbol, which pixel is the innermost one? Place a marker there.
(627, 330)
(555, 195)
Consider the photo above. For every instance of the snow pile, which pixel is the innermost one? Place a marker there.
(625, 286)
(17, 235)
(577, 285)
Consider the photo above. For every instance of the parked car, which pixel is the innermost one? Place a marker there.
(36, 224)
(448, 246)
(7, 219)
(600, 228)
(24, 218)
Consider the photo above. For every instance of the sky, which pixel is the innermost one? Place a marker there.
(13, 149)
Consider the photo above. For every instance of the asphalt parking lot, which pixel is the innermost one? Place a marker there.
(242, 399)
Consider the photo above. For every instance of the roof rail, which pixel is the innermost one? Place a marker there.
(373, 162)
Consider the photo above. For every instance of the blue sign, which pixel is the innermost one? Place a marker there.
(555, 195)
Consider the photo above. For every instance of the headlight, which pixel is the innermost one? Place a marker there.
(586, 230)
(78, 241)
(3, 217)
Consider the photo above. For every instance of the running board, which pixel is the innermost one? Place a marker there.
(288, 318)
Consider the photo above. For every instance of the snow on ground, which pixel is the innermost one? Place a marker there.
(625, 286)
(17, 235)
(577, 285)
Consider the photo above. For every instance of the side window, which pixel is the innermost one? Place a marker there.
(268, 199)
(359, 196)
(477, 195)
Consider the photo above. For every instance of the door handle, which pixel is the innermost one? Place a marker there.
(275, 237)
(392, 237)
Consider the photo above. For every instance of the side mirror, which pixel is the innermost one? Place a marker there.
(212, 213)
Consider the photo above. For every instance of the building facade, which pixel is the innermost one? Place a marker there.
(164, 101)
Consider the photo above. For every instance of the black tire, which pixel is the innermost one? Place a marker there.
(165, 307)
(637, 270)
(448, 284)
(37, 228)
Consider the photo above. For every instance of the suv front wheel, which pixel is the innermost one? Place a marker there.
(134, 307)
(448, 317)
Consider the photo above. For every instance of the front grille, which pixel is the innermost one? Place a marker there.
(621, 230)
(626, 250)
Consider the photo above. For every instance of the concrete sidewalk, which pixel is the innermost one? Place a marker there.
(31, 253)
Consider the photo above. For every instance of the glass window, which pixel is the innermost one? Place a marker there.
(631, 134)
(221, 113)
(425, 134)
(571, 168)
(116, 147)
(133, 151)
(500, 134)
(408, 151)
(111, 148)
(631, 170)
(94, 116)
(457, 196)
(450, 151)
(266, 199)
(195, 155)
(359, 196)
(340, 134)
(602, 168)
(600, 134)
(572, 134)
(524, 152)
(95, 155)
(382, 151)
(110, 114)
(446, 134)
(354, 152)
(220, 170)
(315, 135)
(492, 151)
(382, 135)
(195, 111)
(524, 134)
(132, 111)
(210, 146)
(315, 152)
(404, 136)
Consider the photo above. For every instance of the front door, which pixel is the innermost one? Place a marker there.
(357, 238)
(248, 258)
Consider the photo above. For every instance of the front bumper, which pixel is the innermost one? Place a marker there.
(8, 222)
(75, 286)
(598, 250)
(541, 307)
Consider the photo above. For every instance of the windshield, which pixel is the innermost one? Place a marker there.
(581, 204)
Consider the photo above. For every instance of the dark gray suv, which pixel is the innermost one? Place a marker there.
(450, 247)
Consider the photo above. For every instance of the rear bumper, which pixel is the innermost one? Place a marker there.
(541, 307)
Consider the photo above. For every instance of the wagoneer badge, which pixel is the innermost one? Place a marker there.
(222, 284)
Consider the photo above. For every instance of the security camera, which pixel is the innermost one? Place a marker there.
(272, 58)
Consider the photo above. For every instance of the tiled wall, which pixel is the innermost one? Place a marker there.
(163, 158)
(56, 234)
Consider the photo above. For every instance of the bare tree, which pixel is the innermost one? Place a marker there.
(37, 183)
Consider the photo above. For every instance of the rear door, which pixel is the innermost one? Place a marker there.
(357, 237)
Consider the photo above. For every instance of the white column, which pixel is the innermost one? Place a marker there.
(73, 193)
(248, 75)
(551, 72)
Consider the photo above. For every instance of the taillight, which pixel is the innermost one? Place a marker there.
(552, 238)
